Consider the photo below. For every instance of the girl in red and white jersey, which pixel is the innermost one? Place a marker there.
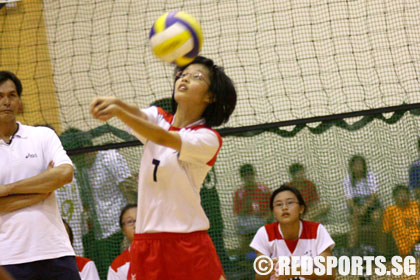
(171, 241)
(118, 270)
(290, 235)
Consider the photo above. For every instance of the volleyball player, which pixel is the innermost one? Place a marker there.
(171, 241)
(290, 235)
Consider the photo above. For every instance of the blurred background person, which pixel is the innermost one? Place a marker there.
(315, 209)
(251, 206)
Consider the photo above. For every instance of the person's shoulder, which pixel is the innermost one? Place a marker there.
(272, 231)
(202, 128)
(122, 259)
(309, 183)
(82, 262)
(310, 224)
(310, 229)
(160, 113)
(390, 209)
(39, 130)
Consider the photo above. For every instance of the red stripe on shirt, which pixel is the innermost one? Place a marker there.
(121, 260)
(81, 262)
(167, 116)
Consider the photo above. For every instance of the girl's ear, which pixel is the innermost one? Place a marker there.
(210, 98)
(302, 209)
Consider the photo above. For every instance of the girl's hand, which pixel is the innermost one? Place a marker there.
(104, 108)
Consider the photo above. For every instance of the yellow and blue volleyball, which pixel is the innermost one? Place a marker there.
(176, 37)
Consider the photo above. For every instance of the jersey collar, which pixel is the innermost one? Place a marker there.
(199, 122)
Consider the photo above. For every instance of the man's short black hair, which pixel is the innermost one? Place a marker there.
(7, 75)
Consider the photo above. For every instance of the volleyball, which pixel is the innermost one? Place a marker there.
(176, 37)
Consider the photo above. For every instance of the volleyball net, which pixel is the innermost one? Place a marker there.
(318, 82)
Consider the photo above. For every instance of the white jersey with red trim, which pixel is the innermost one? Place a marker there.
(87, 269)
(313, 240)
(118, 270)
(170, 181)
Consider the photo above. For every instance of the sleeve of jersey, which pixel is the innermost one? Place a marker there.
(53, 148)
(152, 116)
(199, 146)
(324, 240)
(90, 272)
(260, 242)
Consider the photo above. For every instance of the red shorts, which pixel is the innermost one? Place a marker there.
(174, 256)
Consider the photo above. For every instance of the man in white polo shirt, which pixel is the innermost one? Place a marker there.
(33, 240)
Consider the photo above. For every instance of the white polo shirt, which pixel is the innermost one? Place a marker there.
(36, 232)
(170, 181)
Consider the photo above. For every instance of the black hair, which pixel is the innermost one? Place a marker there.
(69, 230)
(125, 209)
(295, 167)
(7, 75)
(352, 161)
(418, 143)
(295, 191)
(73, 138)
(222, 88)
(246, 169)
(398, 189)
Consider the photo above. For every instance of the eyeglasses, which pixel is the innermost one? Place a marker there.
(129, 223)
(287, 204)
(195, 76)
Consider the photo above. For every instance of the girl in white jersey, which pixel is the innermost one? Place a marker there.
(171, 241)
(290, 235)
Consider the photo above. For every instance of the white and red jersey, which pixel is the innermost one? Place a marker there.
(170, 181)
(87, 269)
(313, 240)
(119, 267)
(36, 232)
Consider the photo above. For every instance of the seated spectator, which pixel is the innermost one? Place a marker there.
(414, 175)
(87, 267)
(364, 206)
(290, 235)
(315, 209)
(251, 205)
(119, 267)
(402, 220)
